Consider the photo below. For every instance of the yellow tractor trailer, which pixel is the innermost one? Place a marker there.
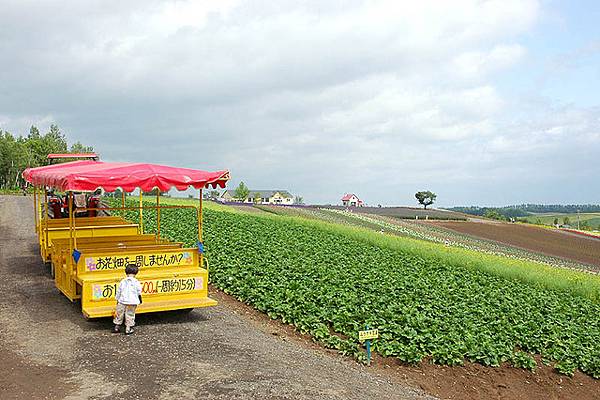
(89, 249)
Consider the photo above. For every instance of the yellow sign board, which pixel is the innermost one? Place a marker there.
(166, 259)
(369, 334)
(107, 291)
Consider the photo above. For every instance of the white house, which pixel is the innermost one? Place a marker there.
(262, 197)
(351, 200)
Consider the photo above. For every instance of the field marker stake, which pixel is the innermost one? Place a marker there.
(367, 335)
(368, 349)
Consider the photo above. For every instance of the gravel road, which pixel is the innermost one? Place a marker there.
(49, 351)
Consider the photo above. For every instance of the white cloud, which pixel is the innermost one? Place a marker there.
(478, 64)
(320, 97)
(22, 123)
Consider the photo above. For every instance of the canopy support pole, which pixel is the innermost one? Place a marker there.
(201, 253)
(200, 215)
(71, 225)
(123, 204)
(35, 209)
(157, 213)
(45, 219)
(141, 225)
(73, 207)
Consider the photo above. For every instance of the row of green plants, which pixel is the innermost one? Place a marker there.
(428, 232)
(429, 302)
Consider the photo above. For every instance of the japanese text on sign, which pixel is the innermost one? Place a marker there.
(140, 260)
(157, 286)
(369, 334)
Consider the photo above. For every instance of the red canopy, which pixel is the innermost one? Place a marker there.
(88, 175)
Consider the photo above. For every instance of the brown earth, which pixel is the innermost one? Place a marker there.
(469, 382)
(226, 352)
(552, 242)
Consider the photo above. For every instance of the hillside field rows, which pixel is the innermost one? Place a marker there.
(403, 212)
(430, 302)
(432, 231)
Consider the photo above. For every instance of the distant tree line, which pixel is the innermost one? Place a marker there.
(20, 152)
(492, 212)
(559, 208)
(525, 210)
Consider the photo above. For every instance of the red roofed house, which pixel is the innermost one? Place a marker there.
(352, 200)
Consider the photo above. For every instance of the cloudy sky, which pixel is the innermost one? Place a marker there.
(482, 102)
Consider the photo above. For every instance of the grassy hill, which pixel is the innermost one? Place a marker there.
(592, 219)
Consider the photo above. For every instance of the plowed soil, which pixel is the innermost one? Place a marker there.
(552, 242)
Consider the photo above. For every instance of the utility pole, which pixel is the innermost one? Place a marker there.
(578, 219)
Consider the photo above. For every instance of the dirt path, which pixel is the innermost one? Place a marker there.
(49, 351)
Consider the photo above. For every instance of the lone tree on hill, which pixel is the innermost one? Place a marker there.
(241, 192)
(426, 198)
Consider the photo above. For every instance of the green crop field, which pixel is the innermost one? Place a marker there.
(429, 301)
(424, 231)
(593, 219)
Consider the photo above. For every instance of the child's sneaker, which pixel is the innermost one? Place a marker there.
(128, 331)
(116, 329)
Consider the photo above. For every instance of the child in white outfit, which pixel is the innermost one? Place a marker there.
(129, 295)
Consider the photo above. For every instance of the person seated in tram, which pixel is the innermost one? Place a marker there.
(94, 201)
(79, 204)
(54, 204)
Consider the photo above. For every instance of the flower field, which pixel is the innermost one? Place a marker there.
(404, 212)
(446, 305)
